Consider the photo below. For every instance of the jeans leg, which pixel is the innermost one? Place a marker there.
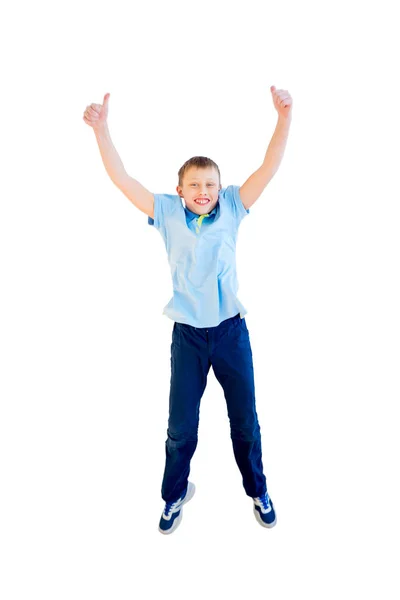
(232, 362)
(189, 369)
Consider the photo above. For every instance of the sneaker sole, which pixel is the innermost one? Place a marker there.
(189, 495)
(259, 519)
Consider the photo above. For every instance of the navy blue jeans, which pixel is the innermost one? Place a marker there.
(193, 351)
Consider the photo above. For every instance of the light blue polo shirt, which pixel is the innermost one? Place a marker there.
(202, 257)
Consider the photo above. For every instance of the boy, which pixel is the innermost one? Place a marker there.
(209, 325)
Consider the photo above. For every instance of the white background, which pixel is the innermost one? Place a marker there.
(85, 349)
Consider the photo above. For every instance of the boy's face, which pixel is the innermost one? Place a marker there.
(200, 183)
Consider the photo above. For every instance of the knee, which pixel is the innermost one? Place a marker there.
(246, 434)
(180, 438)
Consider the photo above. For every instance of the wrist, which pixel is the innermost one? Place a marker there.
(101, 128)
(285, 120)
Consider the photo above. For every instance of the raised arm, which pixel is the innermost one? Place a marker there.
(253, 187)
(95, 115)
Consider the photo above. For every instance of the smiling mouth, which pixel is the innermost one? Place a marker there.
(202, 202)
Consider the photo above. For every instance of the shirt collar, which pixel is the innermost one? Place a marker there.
(191, 215)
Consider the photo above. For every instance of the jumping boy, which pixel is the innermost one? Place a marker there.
(209, 325)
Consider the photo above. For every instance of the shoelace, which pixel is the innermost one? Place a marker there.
(264, 500)
(169, 506)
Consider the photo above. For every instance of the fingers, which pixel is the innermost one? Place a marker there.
(281, 97)
(91, 113)
(94, 109)
(279, 92)
(90, 117)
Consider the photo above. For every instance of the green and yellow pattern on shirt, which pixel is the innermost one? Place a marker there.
(199, 222)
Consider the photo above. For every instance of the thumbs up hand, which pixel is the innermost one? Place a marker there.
(282, 101)
(95, 115)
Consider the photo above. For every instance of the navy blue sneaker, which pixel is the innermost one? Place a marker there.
(172, 514)
(264, 510)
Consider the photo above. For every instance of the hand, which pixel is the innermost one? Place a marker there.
(95, 115)
(282, 101)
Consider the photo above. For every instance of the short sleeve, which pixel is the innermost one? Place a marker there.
(164, 205)
(166, 212)
(234, 201)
